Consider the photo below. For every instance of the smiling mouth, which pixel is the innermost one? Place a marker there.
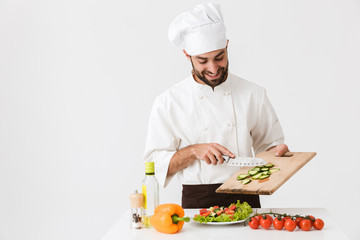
(213, 75)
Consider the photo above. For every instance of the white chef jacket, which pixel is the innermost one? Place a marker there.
(237, 114)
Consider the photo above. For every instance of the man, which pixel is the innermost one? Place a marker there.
(209, 114)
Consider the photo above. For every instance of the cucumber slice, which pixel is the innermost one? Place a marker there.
(256, 176)
(242, 176)
(264, 176)
(269, 165)
(253, 172)
(264, 169)
(246, 181)
(274, 170)
(257, 169)
(266, 173)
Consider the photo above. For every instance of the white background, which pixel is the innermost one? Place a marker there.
(78, 79)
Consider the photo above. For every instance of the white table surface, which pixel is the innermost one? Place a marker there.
(193, 230)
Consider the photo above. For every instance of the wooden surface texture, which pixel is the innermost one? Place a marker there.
(288, 164)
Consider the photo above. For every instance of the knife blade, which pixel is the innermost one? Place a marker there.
(243, 161)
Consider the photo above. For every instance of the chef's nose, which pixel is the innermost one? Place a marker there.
(213, 67)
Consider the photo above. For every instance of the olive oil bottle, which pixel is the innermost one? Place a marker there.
(150, 190)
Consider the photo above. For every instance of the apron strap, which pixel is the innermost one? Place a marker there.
(204, 196)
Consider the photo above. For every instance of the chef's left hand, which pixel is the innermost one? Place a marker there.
(279, 150)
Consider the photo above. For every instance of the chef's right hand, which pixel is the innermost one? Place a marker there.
(211, 153)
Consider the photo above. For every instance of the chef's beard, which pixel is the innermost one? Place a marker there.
(215, 82)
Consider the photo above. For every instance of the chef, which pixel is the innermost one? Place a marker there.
(211, 113)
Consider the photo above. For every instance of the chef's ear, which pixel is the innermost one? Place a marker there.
(187, 55)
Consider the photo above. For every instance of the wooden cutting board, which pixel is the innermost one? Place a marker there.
(289, 164)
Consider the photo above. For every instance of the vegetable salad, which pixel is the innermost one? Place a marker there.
(235, 212)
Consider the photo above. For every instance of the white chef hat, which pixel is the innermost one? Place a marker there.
(200, 30)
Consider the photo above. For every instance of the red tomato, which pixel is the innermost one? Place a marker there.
(229, 212)
(202, 211)
(278, 224)
(286, 218)
(219, 212)
(215, 207)
(318, 224)
(312, 219)
(206, 214)
(265, 223)
(254, 223)
(270, 217)
(290, 225)
(298, 220)
(258, 217)
(232, 207)
(305, 225)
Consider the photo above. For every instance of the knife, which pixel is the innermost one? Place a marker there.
(243, 161)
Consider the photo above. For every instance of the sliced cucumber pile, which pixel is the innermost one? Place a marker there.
(257, 173)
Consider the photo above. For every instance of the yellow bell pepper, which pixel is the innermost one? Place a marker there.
(168, 218)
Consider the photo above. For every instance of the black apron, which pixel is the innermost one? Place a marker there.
(204, 196)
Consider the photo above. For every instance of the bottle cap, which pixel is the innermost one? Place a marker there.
(149, 168)
(136, 200)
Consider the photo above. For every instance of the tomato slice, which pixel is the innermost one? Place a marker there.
(206, 214)
(232, 207)
(202, 211)
(229, 212)
(219, 212)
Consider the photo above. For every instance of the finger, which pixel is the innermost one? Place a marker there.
(218, 156)
(281, 150)
(212, 158)
(207, 160)
(224, 150)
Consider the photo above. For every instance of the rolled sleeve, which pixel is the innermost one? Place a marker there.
(267, 131)
(161, 143)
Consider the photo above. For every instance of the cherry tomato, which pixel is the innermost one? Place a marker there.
(290, 225)
(305, 225)
(254, 223)
(286, 218)
(278, 224)
(312, 219)
(298, 220)
(270, 217)
(265, 223)
(319, 224)
(258, 217)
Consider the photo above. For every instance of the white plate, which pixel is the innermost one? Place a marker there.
(224, 223)
(221, 223)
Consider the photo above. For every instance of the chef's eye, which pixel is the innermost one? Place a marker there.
(219, 59)
(203, 62)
